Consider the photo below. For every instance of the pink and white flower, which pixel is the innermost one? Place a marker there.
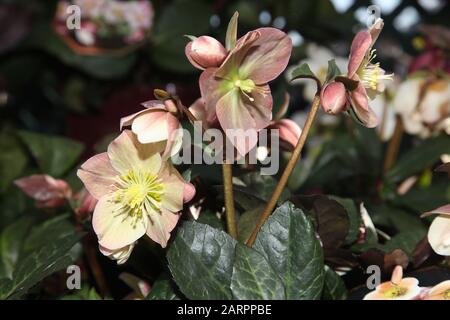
(138, 193)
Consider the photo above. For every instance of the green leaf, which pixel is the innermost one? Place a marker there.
(163, 289)
(247, 222)
(36, 266)
(11, 242)
(253, 278)
(211, 219)
(54, 155)
(354, 217)
(405, 241)
(85, 293)
(13, 160)
(418, 158)
(42, 253)
(288, 241)
(333, 287)
(302, 72)
(333, 70)
(201, 261)
(230, 39)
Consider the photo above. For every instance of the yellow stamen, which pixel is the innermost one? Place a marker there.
(138, 193)
(370, 73)
(395, 291)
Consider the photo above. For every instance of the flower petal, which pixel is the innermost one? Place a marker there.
(126, 153)
(115, 229)
(120, 255)
(151, 126)
(439, 235)
(172, 198)
(237, 122)
(211, 91)
(289, 131)
(160, 226)
(360, 105)
(444, 210)
(333, 98)
(360, 46)
(98, 175)
(261, 59)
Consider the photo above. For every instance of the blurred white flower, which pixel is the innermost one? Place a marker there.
(317, 59)
(424, 105)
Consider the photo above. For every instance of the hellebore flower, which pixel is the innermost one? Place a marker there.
(205, 52)
(439, 232)
(398, 288)
(440, 291)
(47, 191)
(237, 93)
(424, 105)
(364, 80)
(138, 193)
(157, 123)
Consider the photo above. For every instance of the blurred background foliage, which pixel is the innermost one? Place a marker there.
(58, 107)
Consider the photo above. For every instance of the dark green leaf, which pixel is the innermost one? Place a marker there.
(163, 289)
(303, 71)
(54, 155)
(11, 243)
(13, 160)
(333, 70)
(38, 265)
(247, 222)
(354, 218)
(253, 278)
(288, 241)
(201, 261)
(419, 158)
(210, 218)
(333, 287)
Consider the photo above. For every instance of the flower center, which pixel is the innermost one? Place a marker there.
(139, 193)
(446, 294)
(395, 291)
(370, 73)
(245, 86)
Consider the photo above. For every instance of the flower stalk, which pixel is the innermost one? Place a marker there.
(230, 213)
(394, 145)
(288, 170)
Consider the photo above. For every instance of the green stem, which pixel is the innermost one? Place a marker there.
(287, 171)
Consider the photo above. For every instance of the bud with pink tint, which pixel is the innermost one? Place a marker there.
(205, 52)
(333, 98)
(47, 191)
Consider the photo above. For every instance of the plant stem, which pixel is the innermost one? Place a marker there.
(287, 171)
(394, 145)
(229, 199)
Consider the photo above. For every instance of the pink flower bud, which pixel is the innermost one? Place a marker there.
(333, 98)
(47, 191)
(205, 52)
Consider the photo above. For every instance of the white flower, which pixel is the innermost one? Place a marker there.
(427, 115)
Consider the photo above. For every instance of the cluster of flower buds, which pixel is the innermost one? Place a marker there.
(102, 20)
